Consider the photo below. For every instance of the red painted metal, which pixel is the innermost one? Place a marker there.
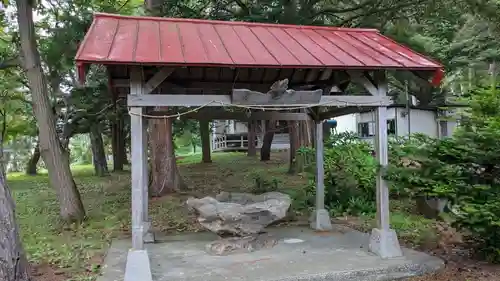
(114, 39)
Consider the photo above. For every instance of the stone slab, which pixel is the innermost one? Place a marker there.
(339, 255)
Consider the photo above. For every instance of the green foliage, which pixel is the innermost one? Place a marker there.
(264, 183)
(464, 168)
(350, 171)
(418, 169)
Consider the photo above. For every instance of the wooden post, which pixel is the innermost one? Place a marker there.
(383, 241)
(252, 131)
(139, 163)
(320, 171)
(381, 152)
(320, 220)
(205, 141)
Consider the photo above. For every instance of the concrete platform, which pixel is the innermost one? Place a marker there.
(301, 255)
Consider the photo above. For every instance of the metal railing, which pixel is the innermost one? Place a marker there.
(223, 143)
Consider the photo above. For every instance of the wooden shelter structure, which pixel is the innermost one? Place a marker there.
(208, 65)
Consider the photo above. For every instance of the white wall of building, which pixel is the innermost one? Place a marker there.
(347, 123)
(421, 121)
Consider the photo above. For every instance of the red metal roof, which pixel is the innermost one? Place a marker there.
(115, 39)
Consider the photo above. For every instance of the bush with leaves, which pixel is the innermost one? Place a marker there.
(464, 168)
(419, 168)
(350, 171)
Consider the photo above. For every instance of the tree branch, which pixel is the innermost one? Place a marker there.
(384, 9)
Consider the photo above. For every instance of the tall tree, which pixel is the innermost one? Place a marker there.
(13, 263)
(56, 159)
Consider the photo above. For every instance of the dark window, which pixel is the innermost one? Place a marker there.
(367, 129)
(391, 127)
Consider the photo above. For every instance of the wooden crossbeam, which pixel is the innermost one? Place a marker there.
(225, 100)
(242, 116)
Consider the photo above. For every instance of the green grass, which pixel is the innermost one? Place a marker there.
(70, 248)
(77, 250)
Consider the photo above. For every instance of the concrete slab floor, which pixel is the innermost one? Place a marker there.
(301, 255)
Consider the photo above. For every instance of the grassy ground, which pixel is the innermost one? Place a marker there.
(75, 252)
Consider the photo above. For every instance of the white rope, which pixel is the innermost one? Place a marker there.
(263, 108)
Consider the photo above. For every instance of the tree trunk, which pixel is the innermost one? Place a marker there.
(13, 263)
(294, 146)
(98, 153)
(165, 173)
(31, 167)
(265, 151)
(205, 141)
(252, 134)
(118, 144)
(57, 161)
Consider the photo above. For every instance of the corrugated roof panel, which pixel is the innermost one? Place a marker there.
(170, 43)
(290, 44)
(312, 47)
(191, 43)
(368, 51)
(97, 45)
(402, 50)
(254, 46)
(234, 45)
(124, 45)
(340, 55)
(375, 44)
(216, 50)
(167, 41)
(275, 48)
(148, 42)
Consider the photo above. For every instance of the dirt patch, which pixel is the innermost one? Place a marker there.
(44, 272)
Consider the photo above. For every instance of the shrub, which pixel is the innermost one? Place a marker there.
(464, 168)
(350, 171)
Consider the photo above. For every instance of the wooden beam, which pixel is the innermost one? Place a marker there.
(240, 116)
(157, 79)
(360, 78)
(225, 100)
(225, 86)
(339, 112)
(249, 97)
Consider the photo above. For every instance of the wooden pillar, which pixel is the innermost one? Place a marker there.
(381, 152)
(205, 141)
(252, 134)
(320, 220)
(139, 146)
(320, 172)
(383, 241)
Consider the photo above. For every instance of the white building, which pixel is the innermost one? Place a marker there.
(232, 135)
(400, 122)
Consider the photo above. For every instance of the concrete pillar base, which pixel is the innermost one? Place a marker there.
(138, 267)
(385, 243)
(320, 220)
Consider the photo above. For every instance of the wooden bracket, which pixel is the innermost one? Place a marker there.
(157, 79)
